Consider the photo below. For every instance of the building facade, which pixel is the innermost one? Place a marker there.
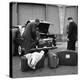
(56, 14)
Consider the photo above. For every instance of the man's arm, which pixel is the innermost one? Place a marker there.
(26, 30)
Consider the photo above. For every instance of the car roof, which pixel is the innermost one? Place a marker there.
(41, 21)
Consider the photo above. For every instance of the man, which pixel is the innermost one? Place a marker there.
(20, 36)
(72, 34)
(29, 35)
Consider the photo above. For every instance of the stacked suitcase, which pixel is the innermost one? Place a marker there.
(45, 42)
(68, 58)
(25, 67)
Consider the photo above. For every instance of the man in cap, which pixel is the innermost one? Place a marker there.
(72, 34)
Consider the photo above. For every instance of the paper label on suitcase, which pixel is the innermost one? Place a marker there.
(67, 56)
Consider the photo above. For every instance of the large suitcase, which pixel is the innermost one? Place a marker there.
(68, 57)
(47, 42)
(25, 67)
(53, 59)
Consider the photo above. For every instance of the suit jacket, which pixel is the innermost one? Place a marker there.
(72, 31)
(29, 35)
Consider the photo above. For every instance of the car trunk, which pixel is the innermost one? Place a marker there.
(43, 27)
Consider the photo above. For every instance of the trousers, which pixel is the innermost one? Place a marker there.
(71, 45)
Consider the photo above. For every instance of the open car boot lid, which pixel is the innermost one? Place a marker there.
(43, 26)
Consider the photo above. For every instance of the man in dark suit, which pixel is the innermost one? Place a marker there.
(72, 34)
(29, 35)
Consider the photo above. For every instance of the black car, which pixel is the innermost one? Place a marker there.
(45, 39)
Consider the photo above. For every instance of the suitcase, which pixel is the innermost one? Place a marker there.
(45, 42)
(25, 67)
(53, 60)
(68, 58)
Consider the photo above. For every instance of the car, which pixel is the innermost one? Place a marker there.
(46, 40)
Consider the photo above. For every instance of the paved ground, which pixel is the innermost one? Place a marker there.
(61, 70)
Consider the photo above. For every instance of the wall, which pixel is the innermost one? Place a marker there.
(30, 12)
(23, 12)
(53, 17)
(56, 14)
(14, 14)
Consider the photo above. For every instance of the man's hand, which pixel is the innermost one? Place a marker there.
(67, 39)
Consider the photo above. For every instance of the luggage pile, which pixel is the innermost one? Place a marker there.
(66, 58)
(32, 61)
